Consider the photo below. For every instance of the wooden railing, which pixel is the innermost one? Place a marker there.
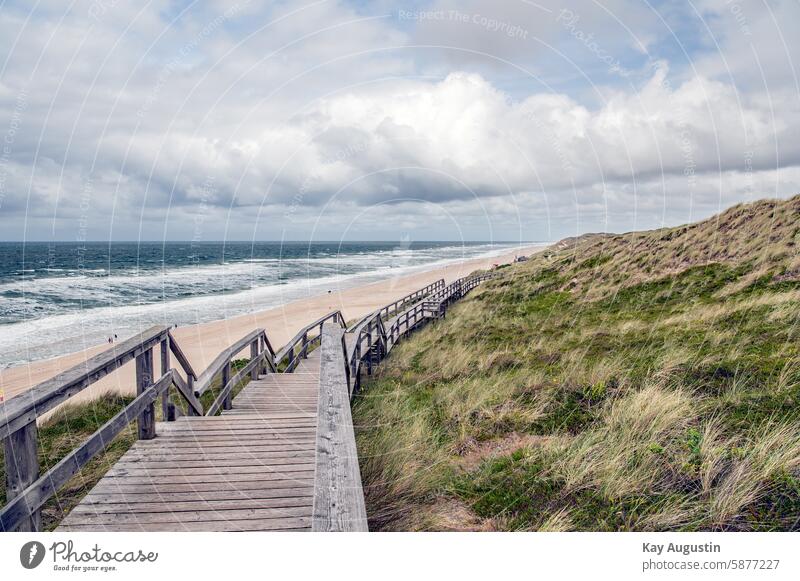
(261, 360)
(338, 494)
(388, 311)
(26, 490)
(372, 341)
(369, 345)
(437, 303)
(298, 347)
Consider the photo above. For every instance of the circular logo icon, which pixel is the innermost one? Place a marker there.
(31, 554)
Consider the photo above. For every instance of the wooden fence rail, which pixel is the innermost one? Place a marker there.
(26, 491)
(371, 340)
(297, 348)
(338, 494)
(261, 361)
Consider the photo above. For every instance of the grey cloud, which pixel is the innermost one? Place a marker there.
(347, 119)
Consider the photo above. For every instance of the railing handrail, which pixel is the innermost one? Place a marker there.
(31, 499)
(302, 334)
(32, 403)
(424, 291)
(338, 503)
(223, 359)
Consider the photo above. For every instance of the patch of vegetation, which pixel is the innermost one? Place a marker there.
(659, 373)
(594, 261)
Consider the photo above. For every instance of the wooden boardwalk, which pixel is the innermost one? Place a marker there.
(280, 456)
(249, 469)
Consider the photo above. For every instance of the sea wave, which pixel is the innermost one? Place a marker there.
(50, 316)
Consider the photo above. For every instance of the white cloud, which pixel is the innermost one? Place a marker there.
(294, 110)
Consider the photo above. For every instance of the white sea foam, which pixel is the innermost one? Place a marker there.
(124, 304)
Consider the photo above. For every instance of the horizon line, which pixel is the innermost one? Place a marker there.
(269, 241)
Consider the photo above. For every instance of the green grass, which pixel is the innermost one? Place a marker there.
(637, 382)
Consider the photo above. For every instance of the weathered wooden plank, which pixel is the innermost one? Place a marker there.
(254, 464)
(276, 398)
(228, 421)
(284, 475)
(27, 406)
(204, 438)
(261, 394)
(178, 506)
(284, 524)
(271, 415)
(33, 497)
(280, 420)
(305, 408)
(251, 486)
(193, 516)
(338, 496)
(235, 430)
(288, 451)
(123, 469)
(227, 431)
(209, 444)
(102, 497)
(202, 458)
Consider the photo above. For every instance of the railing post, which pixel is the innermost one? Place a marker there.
(290, 355)
(369, 353)
(190, 383)
(165, 403)
(253, 355)
(22, 470)
(267, 365)
(227, 403)
(146, 422)
(305, 346)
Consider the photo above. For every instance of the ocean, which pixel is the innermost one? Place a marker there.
(61, 297)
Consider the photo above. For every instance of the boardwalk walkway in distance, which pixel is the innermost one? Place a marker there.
(280, 456)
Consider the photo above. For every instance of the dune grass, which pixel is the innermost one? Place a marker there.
(648, 381)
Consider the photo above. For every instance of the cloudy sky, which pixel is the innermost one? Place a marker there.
(437, 120)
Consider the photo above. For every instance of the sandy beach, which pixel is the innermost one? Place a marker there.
(202, 342)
